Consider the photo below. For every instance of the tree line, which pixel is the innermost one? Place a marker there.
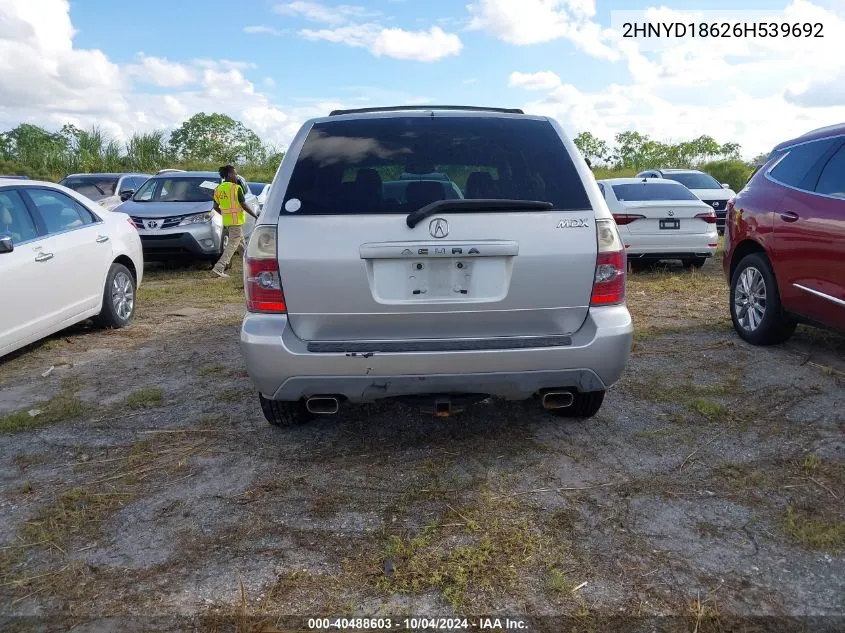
(633, 152)
(203, 142)
(206, 141)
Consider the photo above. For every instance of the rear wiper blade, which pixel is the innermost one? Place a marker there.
(475, 204)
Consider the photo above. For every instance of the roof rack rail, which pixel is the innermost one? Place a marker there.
(427, 107)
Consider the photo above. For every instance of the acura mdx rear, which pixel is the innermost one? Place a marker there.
(515, 288)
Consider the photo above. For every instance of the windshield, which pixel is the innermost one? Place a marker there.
(694, 180)
(643, 191)
(176, 189)
(400, 164)
(92, 187)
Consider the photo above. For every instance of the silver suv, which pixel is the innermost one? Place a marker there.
(514, 289)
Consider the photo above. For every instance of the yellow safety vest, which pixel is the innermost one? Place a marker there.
(226, 197)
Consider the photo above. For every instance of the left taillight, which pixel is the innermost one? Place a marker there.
(262, 281)
(609, 279)
(709, 217)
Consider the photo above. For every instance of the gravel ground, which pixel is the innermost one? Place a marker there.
(150, 488)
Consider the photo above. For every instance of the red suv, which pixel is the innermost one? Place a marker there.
(785, 240)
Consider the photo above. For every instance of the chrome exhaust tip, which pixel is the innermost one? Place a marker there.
(322, 405)
(558, 399)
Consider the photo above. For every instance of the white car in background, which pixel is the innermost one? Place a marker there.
(704, 186)
(63, 259)
(660, 220)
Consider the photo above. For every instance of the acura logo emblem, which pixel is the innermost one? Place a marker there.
(438, 228)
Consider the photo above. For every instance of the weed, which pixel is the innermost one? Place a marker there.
(557, 582)
(146, 397)
(212, 370)
(65, 405)
(814, 531)
(811, 463)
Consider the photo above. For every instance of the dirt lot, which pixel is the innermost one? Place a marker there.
(711, 484)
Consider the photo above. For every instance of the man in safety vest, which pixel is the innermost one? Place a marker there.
(230, 202)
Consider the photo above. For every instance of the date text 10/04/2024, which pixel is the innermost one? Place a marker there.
(416, 624)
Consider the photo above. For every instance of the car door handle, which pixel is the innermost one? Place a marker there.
(43, 257)
(102, 238)
(789, 216)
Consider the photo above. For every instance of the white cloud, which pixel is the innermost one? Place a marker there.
(527, 22)
(46, 80)
(424, 46)
(317, 12)
(544, 80)
(263, 28)
(269, 82)
(160, 71)
(756, 92)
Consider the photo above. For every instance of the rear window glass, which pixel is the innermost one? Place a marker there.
(642, 191)
(800, 167)
(399, 164)
(92, 187)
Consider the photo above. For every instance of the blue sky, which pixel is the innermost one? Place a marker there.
(273, 63)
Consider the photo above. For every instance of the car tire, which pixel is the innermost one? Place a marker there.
(694, 262)
(754, 288)
(119, 295)
(585, 405)
(284, 413)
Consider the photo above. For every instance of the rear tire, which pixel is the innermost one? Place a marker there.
(284, 413)
(585, 405)
(694, 263)
(118, 307)
(756, 310)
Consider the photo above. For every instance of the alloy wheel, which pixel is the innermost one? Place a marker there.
(750, 299)
(122, 296)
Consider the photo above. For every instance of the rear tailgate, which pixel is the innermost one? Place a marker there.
(352, 269)
(668, 216)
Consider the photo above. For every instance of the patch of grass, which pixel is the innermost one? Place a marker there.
(815, 531)
(490, 549)
(190, 288)
(811, 463)
(233, 394)
(557, 582)
(65, 405)
(70, 514)
(25, 461)
(211, 370)
(146, 397)
(697, 398)
(740, 476)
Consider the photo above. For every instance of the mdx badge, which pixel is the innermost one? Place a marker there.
(572, 223)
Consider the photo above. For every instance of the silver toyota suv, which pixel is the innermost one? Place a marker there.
(514, 289)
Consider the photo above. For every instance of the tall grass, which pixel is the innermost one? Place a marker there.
(94, 151)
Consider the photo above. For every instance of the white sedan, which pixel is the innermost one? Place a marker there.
(63, 259)
(661, 219)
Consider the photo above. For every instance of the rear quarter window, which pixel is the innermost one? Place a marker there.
(802, 163)
(352, 166)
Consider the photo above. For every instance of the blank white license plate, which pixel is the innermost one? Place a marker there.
(670, 223)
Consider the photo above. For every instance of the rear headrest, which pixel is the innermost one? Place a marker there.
(368, 183)
(480, 185)
(423, 192)
(5, 215)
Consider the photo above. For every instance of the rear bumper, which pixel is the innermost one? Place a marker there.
(648, 246)
(282, 368)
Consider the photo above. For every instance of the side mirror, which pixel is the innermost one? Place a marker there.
(725, 185)
(126, 194)
(6, 244)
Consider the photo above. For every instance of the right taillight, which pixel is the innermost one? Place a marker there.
(709, 217)
(262, 282)
(609, 279)
(622, 219)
